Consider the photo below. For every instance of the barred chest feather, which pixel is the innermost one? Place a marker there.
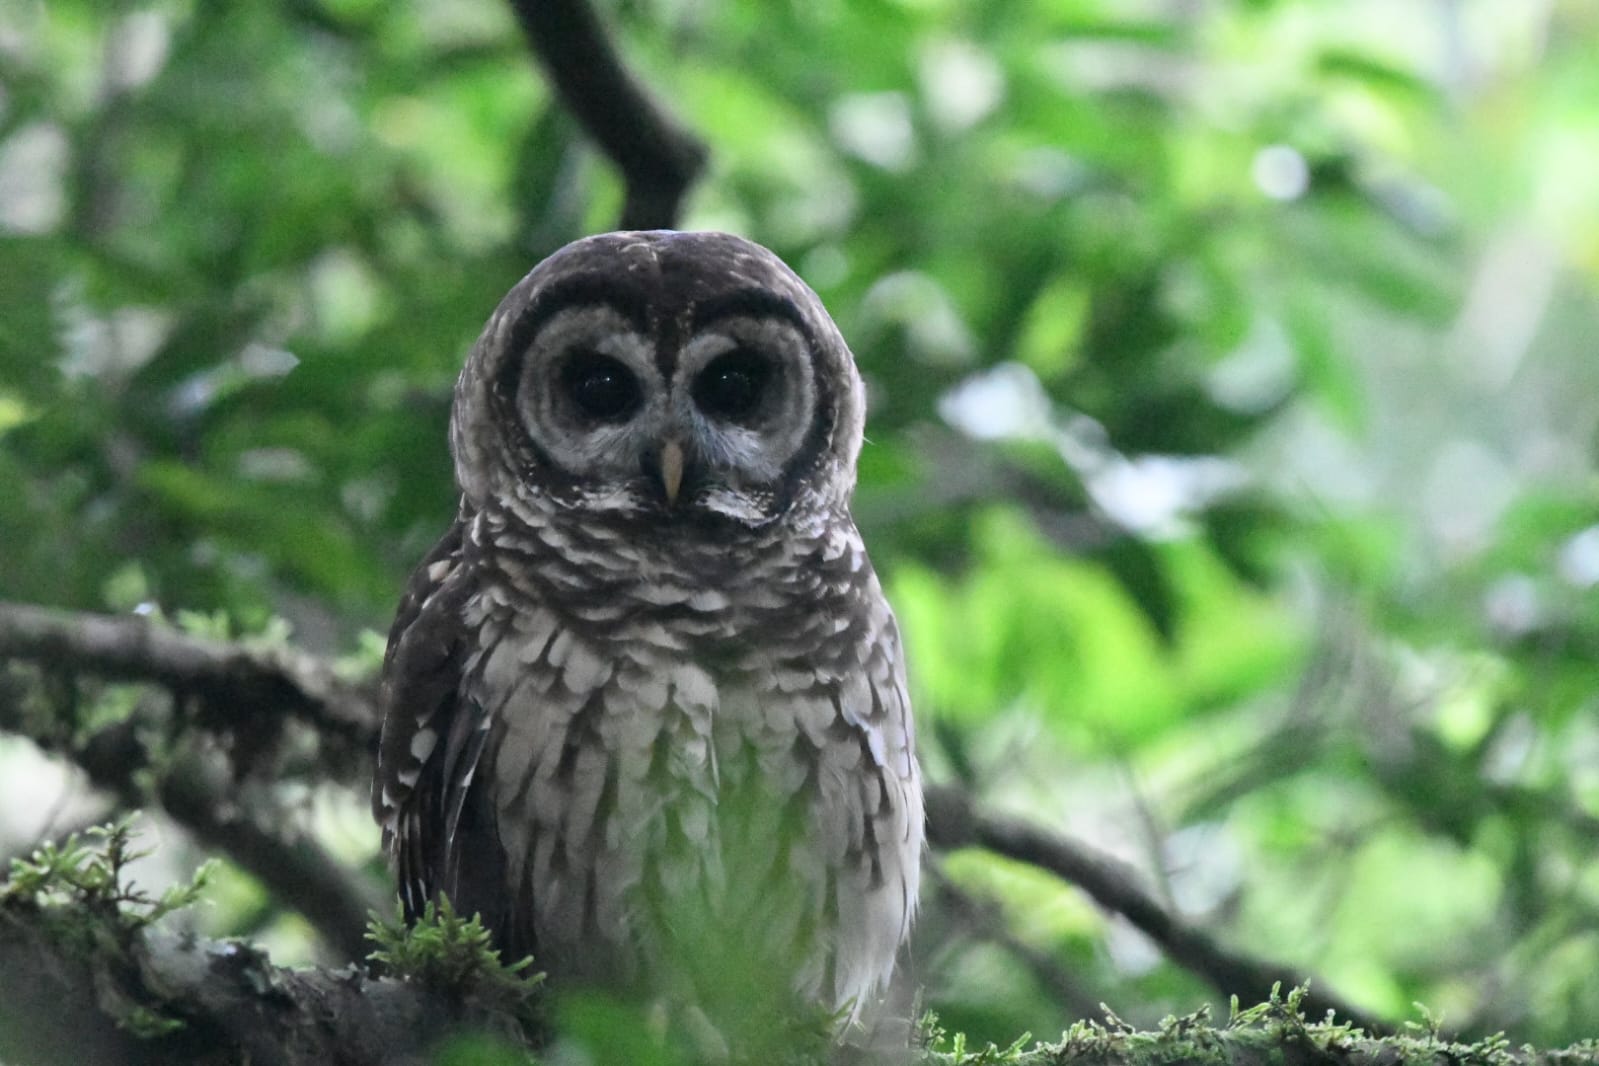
(684, 748)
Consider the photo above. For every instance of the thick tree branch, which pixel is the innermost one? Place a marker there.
(954, 822)
(307, 689)
(659, 158)
(234, 679)
(57, 1005)
(222, 1002)
(242, 694)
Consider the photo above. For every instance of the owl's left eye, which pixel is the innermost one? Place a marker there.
(732, 385)
(601, 387)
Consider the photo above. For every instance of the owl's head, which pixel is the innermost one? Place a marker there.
(663, 376)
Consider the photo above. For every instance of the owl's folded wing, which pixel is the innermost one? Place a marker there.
(431, 741)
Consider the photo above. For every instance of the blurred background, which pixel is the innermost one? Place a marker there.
(1234, 437)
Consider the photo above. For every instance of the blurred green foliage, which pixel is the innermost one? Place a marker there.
(1232, 457)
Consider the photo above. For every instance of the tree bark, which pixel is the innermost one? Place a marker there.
(61, 1007)
(658, 157)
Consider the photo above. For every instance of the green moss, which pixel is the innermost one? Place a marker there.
(1274, 1032)
(77, 892)
(81, 879)
(455, 956)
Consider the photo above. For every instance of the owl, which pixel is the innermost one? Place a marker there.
(644, 703)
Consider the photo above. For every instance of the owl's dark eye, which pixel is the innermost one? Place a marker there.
(732, 386)
(601, 387)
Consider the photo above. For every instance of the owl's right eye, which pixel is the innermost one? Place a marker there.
(601, 387)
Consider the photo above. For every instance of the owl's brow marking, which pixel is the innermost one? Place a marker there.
(579, 290)
(753, 303)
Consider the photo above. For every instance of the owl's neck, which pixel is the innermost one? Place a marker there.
(700, 589)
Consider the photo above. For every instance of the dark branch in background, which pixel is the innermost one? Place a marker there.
(954, 822)
(658, 157)
(978, 475)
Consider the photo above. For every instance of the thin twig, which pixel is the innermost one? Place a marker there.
(658, 157)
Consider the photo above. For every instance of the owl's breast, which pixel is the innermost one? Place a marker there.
(641, 788)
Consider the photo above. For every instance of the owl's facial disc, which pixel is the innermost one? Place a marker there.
(591, 399)
(743, 400)
(671, 408)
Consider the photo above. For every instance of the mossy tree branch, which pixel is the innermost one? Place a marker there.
(232, 679)
(85, 975)
(209, 760)
(232, 1005)
(98, 988)
(137, 649)
(225, 1002)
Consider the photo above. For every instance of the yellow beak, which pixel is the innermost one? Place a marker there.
(671, 470)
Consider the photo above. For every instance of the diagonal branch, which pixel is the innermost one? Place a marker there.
(955, 822)
(658, 157)
(985, 919)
